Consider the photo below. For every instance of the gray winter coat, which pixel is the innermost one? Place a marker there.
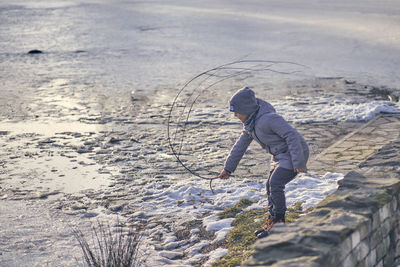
(276, 136)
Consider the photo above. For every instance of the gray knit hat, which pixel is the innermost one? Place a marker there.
(243, 101)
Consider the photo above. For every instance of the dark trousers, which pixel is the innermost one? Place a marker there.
(278, 178)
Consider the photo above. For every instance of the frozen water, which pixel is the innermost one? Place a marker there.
(127, 45)
(115, 46)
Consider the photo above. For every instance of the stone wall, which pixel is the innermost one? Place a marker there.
(358, 225)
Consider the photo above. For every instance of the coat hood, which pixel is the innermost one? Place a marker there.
(265, 107)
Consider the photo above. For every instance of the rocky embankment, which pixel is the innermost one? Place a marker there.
(358, 225)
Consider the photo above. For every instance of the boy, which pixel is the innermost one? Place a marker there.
(288, 148)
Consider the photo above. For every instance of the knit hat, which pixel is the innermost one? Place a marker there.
(243, 101)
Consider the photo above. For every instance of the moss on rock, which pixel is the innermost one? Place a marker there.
(383, 198)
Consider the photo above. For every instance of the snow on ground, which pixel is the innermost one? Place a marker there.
(311, 189)
(216, 255)
(151, 45)
(332, 107)
(189, 199)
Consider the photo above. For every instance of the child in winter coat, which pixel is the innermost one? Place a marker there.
(288, 148)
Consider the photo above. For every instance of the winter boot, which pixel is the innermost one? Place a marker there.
(269, 223)
(261, 233)
(277, 218)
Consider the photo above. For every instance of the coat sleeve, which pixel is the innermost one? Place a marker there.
(292, 138)
(237, 151)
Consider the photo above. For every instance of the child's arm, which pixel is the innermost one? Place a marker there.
(236, 154)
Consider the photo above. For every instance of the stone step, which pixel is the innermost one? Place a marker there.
(346, 154)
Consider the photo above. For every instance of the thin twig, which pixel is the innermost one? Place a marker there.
(212, 73)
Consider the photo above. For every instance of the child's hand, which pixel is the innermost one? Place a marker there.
(224, 174)
(298, 170)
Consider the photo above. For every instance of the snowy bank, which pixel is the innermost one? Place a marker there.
(190, 199)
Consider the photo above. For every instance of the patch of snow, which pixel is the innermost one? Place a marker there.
(197, 247)
(212, 223)
(216, 255)
(255, 206)
(194, 231)
(221, 234)
(311, 189)
(324, 110)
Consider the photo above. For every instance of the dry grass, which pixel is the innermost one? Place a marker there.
(110, 247)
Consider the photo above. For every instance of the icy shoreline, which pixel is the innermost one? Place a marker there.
(140, 180)
(76, 145)
(190, 200)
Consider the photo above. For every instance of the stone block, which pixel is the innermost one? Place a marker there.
(382, 140)
(361, 263)
(379, 264)
(343, 145)
(367, 130)
(380, 251)
(388, 259)
(298, 262)
(384, 212)
(376, 221)
(345, 167)
(386, 243)
(355, 239)
(334, 150)
(376, 238)
(275, 254)
(280, 246)
(330, 156)
(346, 157)
(362, 156)
(371, 259)
(322, 242)
(348, 161)
(354, 176)
(365, 230)
(386, 227)
(398, 246)
(354, 151)
(368, 152)
(381, 121)
(350, 260)
(362, 147)
(362, 250)
(345, 248)
(394, 205)
(317, 165)
(383, 133)
(392, 120)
